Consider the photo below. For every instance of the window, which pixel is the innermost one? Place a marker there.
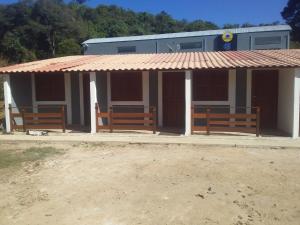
(50, 87)
(126, 49)
(210, 85)
(190, 45)
(268, 40)
(126, 86)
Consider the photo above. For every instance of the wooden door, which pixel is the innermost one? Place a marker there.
(174, 99)
(86, 99)
(265, 95)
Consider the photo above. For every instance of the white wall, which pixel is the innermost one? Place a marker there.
(288, 101)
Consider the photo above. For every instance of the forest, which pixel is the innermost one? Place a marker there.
(39, 29)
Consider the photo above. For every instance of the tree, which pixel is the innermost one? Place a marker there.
(68, 47)
(291, 14)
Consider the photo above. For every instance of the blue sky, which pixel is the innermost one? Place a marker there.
(218, 11)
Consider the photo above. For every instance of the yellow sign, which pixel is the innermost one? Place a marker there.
(227, 36)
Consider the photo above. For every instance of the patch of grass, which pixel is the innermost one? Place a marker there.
(11, 158)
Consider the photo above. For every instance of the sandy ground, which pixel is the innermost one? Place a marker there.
(153, 184)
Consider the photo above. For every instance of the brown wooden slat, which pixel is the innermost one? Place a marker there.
(16, 114)
(235, 116)
(42, 115)
(44, 127)
(103, 114)
(199, 128)
(17, 126)
(120, 121)
(233, 129)
(127, 127)
(232, 123)
(131, 115)
(199, 115)
(103, 127)
(33, 121)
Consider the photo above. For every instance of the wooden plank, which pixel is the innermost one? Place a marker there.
(127, 127)
(33, 121)
(232, 123)
(233, 129)
(16, 114)
(103, 127)
(43, 115)
(117, 121)
(17, 127)
(199, 128)
(44, 127)
(234, 116)
(199, 115)
(131, 115)
(103, 115)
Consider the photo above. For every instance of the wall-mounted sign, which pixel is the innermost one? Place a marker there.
(227, 36)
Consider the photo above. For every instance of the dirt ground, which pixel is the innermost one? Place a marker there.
(151, 184)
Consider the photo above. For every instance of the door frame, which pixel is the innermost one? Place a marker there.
(160, 109)
(250, 92)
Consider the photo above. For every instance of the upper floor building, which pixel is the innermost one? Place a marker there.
(252, 38)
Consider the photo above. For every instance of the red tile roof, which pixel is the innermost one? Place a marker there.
(162, 61)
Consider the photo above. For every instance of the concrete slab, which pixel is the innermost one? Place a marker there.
(204, 140)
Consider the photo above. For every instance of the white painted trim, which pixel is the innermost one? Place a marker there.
(188, 102)
(160, 99)
(93, 101)
(211, 102)
(296, 103)
(81, 99)
(249, 91)
(146, 103)
(122, 103)
(50, 102)
(7, 101)
(68, 97)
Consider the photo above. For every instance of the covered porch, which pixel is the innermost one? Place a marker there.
(184, 93)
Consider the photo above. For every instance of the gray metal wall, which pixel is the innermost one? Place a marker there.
(244, 41)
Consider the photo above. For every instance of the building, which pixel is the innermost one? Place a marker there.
(252, 38)
(188, 91)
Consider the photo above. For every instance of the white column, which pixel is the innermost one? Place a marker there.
(7, 101)
(145, 75)
(81, 100)
(160, 99)
(68, 97)
(288, 101)
(296, 103)
(93, 100)
(188, 102)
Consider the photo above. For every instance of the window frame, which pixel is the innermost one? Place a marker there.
(190, 43)
(128, 51)
(224, 101)
(49, 101)
(112, 101)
